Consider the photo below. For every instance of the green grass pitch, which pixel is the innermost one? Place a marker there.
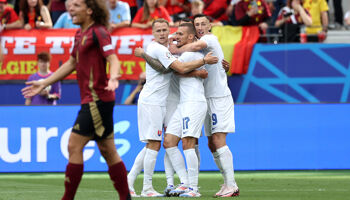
(254, 185)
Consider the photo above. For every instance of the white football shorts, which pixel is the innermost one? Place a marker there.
(220, 117)
(150, 121)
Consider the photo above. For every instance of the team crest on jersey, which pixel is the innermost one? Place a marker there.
(119, 17)
(168, 55)
(159, 132)
(83, 40)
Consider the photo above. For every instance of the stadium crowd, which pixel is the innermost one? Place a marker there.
(284, 19)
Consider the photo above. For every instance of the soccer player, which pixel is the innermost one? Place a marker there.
(152, 101)
(188, 119)
(92, 50)
(220, 118)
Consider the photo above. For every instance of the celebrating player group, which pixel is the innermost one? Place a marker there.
(186, 87)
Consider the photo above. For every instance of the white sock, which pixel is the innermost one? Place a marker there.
(192, 168)
(136, 168)
(148, 167)
(196, 148)
(226, 159)
(178, 163)
(169, 170)
(218, 163)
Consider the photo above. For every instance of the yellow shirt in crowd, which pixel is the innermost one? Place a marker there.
(315, 8)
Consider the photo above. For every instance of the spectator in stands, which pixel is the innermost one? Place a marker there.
(318, 11)
(57, 8)
(338, 13)
(252, 12)
(65, 20)
(9, 18)
(50, 94)
(120, 14)
(148, 13)
(216, 9)
(290, 18)
(347, 18)
(177, 9)
(133, 7)
(197, 7)
(33, 14)
(134, 96)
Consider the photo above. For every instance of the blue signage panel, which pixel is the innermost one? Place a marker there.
(268, 137)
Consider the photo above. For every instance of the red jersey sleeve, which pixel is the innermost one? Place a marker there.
(104, 41)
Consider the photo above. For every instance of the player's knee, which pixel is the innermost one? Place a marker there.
(188, 143)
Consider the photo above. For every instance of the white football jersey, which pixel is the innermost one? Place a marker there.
(216, 83)
(156, 89)
(174, 91)
(191, 88)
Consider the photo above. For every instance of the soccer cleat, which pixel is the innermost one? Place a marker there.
(228, 191)
(190, 193)
(167, 190)
(180, 189)
(133, 194)
(151, 193)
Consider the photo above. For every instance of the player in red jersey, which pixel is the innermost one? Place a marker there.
(92, 50)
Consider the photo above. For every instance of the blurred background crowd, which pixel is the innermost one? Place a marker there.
(278, 20)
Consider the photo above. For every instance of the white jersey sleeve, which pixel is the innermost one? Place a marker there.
(162, 53)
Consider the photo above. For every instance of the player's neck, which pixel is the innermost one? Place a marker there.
(43, 73)
(86, 25)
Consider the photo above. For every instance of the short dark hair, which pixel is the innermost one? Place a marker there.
(44, 56)
(201, 15)
(186, 20)
(190, 27)
(160, 20)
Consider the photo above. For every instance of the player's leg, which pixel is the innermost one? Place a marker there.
(222, 118)
(188, 145)
(169, 174)
(75, 167)
(116, 167)
(135, 171)
(152, 149)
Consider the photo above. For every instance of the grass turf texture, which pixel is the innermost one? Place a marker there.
(254, 185)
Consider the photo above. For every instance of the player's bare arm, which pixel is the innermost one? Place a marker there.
(193, 46)
(186, 67)
(114, 64)
(34, 87)
(201, 73)
(154, 63)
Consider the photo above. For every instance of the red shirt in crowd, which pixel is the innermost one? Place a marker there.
(174, 9)
(8, 16)
(159, 12)
(243, 6)
(132, 3)
(90, 51)
(216, 9)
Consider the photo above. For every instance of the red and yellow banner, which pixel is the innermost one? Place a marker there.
(20, 48)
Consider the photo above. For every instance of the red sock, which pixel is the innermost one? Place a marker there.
(74, 172)
(117, 173)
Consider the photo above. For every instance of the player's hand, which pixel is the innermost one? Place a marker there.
(225, 65)
(113, 84)
(33, 88)
(138, 51)
(210, 59)
(202, 73)
(173, 48)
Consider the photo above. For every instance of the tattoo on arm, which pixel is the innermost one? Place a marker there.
(156, 64)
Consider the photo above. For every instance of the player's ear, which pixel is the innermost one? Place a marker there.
(89, 11)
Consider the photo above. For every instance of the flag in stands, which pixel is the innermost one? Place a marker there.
(237, 43)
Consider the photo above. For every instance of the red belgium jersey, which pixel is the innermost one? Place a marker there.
(90, 51)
